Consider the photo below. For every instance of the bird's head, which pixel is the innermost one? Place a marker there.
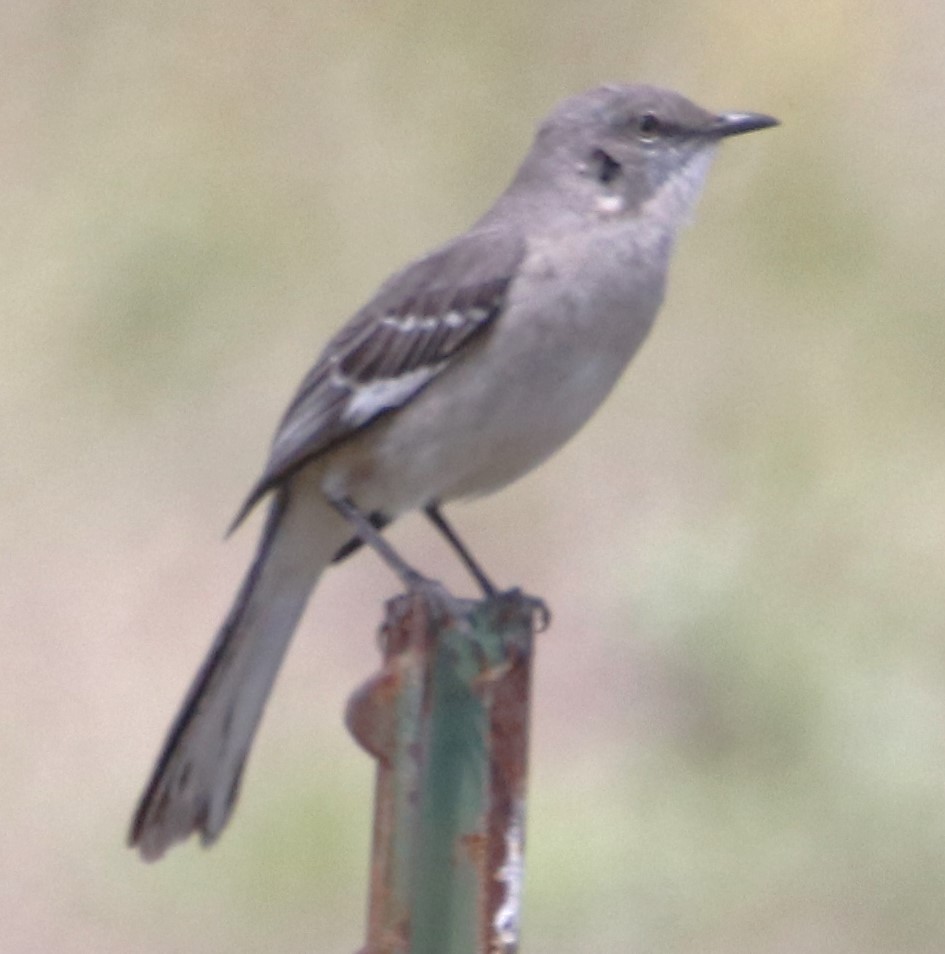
(628, 151)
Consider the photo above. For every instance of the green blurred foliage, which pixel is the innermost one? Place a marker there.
(740, 709)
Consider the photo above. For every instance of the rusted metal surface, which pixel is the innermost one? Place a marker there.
(509, 732)
(447, 720)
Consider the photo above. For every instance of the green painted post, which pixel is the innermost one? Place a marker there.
(447, 719)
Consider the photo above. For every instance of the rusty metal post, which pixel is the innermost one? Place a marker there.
(447, 720)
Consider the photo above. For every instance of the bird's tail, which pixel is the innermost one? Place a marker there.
(196, 780)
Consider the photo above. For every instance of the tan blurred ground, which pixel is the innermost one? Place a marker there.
(741, 705)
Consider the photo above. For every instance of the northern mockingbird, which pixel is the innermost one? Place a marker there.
(467, 369)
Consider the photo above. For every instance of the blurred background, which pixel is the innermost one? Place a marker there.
(740, 707)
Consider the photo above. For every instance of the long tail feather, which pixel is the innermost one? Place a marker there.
(196, 779)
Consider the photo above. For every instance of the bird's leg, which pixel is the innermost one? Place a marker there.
(370, 535)
(439, 521)
(542, 615)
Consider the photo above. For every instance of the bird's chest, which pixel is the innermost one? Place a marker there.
(572, 324)
(581, 315)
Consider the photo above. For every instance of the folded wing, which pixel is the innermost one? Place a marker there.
(418, 323)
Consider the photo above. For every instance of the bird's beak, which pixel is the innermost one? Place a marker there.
(733, 124)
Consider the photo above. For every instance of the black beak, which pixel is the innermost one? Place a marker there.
(734, 124)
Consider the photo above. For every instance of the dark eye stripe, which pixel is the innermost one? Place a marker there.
(606, 168)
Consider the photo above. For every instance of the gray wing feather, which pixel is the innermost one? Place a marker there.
(418, 322)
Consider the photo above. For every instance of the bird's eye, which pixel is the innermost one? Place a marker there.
(648, 124)
(605, 167)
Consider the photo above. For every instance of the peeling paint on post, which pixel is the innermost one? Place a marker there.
(447, 720)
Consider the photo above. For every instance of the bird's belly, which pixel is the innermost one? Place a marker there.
(515, 426)
(514, 399)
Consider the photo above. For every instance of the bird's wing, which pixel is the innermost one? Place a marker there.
(418, 323)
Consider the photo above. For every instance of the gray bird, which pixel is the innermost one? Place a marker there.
(467, 369)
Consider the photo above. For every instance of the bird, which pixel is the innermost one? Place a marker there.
(466, 369)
